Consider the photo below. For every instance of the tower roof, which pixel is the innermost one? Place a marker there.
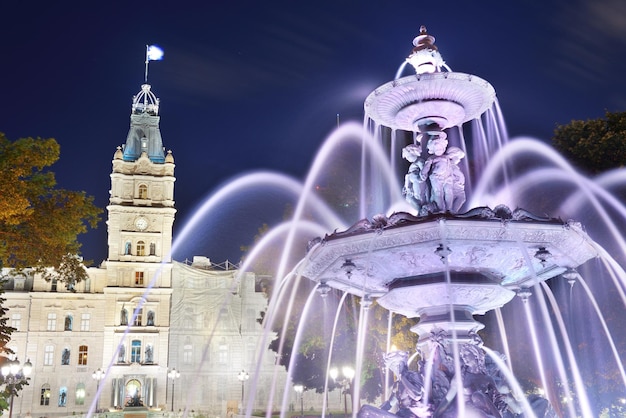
(144, 135)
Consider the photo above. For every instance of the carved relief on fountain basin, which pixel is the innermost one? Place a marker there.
(366, 260)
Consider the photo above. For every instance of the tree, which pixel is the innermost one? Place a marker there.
(39, 223)
(595, 145)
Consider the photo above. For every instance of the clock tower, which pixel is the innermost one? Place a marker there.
(141, 205)
(138, 287)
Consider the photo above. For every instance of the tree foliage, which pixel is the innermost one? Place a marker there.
(39, 223)
(594, 145)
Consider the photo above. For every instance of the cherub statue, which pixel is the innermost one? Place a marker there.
(447, 182)
(415, 189)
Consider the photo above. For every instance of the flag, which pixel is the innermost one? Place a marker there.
(154, 53)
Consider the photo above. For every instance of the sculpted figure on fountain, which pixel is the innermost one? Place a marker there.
(435, 184)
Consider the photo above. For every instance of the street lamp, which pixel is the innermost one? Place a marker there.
(98, 375)
(15, 374)
(345, 380)
(242, 376)
(173, 375)
(300, 390)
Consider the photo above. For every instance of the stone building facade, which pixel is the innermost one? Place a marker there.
(140, 315)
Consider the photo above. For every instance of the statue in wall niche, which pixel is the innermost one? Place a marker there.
(149, 353)
(121, 354)
(65, 357)
(441, 169)
(123, 317)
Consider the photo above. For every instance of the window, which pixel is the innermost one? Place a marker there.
(143, 191)
(52, 321)
(53, 286)
(139, 278)
(137, 321)
(85, 319)
(16, 321)
(188, 352)
(80, 394)
(223, 319)
(141, 248)
(45, 395)
(222, 355)
(67, 325)
(135, 351)
(65, 357)
(62, 396)
(82, 355)
(48, 355)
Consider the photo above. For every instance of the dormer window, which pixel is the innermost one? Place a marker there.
(143, 191)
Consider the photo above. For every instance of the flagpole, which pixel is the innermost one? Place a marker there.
(147, 60)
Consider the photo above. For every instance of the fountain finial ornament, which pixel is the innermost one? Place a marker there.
(425, 58)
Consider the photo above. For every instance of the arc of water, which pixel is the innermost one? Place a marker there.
(588, 188)
(582, 395)
(504, 338)
(607, 333)
(548, 323)
(330, 352)
(511, 380)
(296, 346)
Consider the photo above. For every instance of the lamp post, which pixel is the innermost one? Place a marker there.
(300, 390)
(98, 375)
(242, 376)
(15, 374)
(345, 380)
(173, 375)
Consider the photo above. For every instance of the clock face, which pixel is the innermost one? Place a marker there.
(141, 223)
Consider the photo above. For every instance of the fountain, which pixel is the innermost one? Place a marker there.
(441, 265)
(454, 250)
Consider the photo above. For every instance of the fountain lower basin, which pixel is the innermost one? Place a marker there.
(403, 260)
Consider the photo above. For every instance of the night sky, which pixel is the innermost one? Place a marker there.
(249, 85)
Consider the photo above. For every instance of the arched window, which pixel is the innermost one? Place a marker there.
(143, 191)
(45, 394)
(68, 323)
(135, 351)
(141, 248)
(82, 355)
(80, 394)
(133, 393)
(138, 318)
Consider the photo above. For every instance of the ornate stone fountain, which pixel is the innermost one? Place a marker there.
(438, 264)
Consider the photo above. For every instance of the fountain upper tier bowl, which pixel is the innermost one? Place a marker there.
(444, 98)
(403, 260)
